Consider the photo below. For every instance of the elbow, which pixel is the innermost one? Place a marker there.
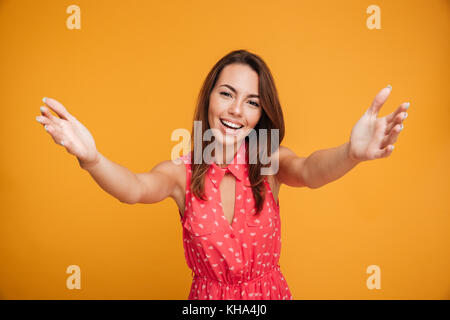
(127, 201)
(132, 196)
(317, 185)
(312, 186)
(311, 183)
(307, 183)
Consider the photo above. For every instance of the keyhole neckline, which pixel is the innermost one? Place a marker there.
(238, 167)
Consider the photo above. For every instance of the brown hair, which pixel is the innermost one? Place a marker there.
(271, 118)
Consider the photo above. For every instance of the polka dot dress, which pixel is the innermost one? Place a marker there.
(237, 261)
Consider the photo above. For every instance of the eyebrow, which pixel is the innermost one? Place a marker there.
(234, 90)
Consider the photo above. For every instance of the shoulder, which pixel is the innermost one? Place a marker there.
(169, 167)
(175, 170)
(278, 158)
(282, 153)
(291, 168)
(285, 152)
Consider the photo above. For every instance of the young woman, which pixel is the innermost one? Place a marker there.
(228, 209)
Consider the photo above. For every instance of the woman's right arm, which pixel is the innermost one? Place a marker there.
(149, 187)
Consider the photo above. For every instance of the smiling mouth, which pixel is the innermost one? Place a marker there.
(230, 125)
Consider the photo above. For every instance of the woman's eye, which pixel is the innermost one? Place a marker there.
(251, 102)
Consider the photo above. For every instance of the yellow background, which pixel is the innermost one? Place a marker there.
(131, 75)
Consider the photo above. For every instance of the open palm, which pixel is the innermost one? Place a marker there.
(372, 137)
(67, 131)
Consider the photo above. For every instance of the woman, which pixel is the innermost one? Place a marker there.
(229, 210)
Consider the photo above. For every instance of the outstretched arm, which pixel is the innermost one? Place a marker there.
(371, 138)
(327, 165)
(115, 179)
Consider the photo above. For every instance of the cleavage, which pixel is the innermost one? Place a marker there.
(228, 196)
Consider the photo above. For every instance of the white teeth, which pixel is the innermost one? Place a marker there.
(231, 124)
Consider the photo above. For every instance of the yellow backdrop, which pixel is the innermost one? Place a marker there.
(131, 75)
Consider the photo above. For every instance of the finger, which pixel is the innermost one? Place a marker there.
(384, 152)
(402, 108)
(398, 120)
(43, 120)
(56, 106)
(46, 112)
(392, 137)
(379, 100)
(55, 134)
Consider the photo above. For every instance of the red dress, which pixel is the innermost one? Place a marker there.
(237, 261)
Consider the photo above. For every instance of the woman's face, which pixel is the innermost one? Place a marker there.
(234, 99)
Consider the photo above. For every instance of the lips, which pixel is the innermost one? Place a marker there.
(224, 122)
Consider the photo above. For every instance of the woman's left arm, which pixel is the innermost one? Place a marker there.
(371, 138)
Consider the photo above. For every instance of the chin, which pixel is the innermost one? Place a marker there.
(227, 139)
(226, 136)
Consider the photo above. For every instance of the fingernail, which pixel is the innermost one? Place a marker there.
(406, 114)
(37, 118)
(389, 86)
(42, 109)
(407, 105)
(45, 127)
(44, 99)
(401, 128)
(392, 148)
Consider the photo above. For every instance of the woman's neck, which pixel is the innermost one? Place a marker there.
(225, 154)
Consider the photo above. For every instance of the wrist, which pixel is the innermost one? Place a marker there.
(350, 157)
(90, 164)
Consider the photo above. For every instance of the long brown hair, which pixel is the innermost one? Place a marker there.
(271, 118)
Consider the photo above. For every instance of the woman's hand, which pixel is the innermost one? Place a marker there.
(372, 137)
(69, 132)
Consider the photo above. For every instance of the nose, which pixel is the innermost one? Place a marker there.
(235, 108)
